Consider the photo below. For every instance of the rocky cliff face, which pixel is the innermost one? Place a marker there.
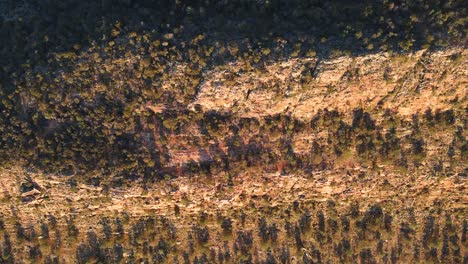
(300, 87)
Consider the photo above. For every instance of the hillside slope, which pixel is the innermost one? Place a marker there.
(365, 161)
(233, 132)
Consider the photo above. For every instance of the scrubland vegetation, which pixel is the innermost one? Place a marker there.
(111, 96)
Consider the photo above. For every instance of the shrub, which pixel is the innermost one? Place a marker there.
(373, 214)
(388, 222)
(7, 254)
(406, 231)
(464, 231)
(118, 252)
(304, 222)
(366, 256)
(57, 241)
(44, 230)
(430, 231)
(321, 221)
(270, 259)
(226, 225)
(83, 253)
(273, 232)
(332, 225)
(52, 221)
(71, 228)
(119, 227)
(285, 255)
(35, 252)
(263, 229)
(20, 232)
(354, 210)
(345, 223)
(201, 234)
(244, 241)
(51, 260)
(297, 237)
(106, 228)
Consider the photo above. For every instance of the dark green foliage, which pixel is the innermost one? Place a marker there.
(288, 228)
(118, 252)
(138, 229)
(332, 225)
(186, 257)
(106, 228)
(354, 210)
(226, 225)
(373, 215)
(321, 221)
(273, 232)
(202, 234)
(227, 252)
(432, 255)
(220, 257)
(285, 255)
(451, 151)
(341, 249)
(304, 222)
(306, 258)
(345, 223)
(379, 248)
(270, 259)
(263, 229)
(119, 227)
(428, 115)
(244, 241)
(406, 231)
(366, 256)
(34, 252)
(212, 255)
(297, 237)
(83, 253)
(449, 117)
(191, 245)
(51, 260)
(362, 119)
(430, 231)
(57, 241)
(72, 230)
(464, 231)
(44, 230)
(388, 222)
(445, 251)
(416, 251)
(52, 221)
(418, 146)
(7, 252)
(91, 250)
(176, 210)
(20, 232)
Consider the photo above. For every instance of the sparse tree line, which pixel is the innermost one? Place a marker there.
(306, 234)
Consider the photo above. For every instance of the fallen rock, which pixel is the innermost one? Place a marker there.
(30, 195)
